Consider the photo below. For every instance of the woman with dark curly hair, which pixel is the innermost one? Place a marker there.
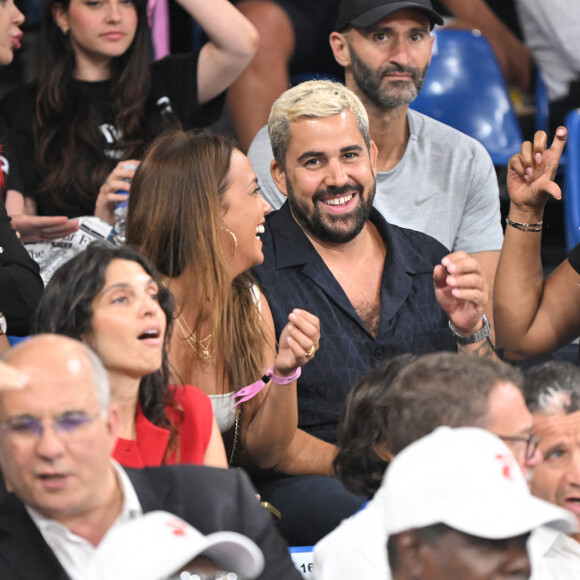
(108, 298)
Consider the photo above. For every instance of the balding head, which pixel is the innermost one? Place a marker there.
(50, 352)
(58, 432)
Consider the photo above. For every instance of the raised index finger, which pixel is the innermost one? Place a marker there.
(559, 141)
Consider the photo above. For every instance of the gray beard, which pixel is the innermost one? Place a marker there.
(369, 83)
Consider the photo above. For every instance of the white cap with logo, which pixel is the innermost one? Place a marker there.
(159, 544)
(469, 480)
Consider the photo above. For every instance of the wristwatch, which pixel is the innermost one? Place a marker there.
(3, 325)
(478, 336)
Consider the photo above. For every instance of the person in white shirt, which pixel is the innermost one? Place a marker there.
(550, 29)
(458, 506)
(552, 391)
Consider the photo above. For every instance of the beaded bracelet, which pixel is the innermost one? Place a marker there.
(252, 390)
(537, 227)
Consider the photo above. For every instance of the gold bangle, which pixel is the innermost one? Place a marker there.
(537, 227)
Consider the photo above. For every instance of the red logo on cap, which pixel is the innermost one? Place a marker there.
(506, 468)
(177, 527)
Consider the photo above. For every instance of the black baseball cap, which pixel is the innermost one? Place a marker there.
(365, 13)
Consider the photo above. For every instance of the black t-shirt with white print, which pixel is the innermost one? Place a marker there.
(173, 85)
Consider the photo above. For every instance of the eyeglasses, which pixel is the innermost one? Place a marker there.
(531, 444)
(66, 424)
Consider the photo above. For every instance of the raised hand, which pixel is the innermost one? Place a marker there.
(298, 342)
(461, 291)
(118, 180)
(531, 172)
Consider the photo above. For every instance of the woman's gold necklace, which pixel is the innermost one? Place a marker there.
(200, 347)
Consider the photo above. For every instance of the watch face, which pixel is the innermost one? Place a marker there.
(3, 326)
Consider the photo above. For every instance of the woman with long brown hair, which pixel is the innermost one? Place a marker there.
(196, 212)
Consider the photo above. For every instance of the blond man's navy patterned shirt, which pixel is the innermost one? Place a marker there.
(294, 275)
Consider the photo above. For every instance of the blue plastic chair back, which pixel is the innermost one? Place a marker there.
(572, 180)
(542, 114)
(465, 89)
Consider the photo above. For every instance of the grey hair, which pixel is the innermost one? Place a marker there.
(552, 387)
(312, 100)
(101, 385)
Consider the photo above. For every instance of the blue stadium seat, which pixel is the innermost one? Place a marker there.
(465, 89)
(542, 114)
(14, 340)
(572, 180)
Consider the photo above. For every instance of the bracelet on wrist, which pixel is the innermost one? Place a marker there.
(252, 390)
(477, 336)
(537, 227)
(278, 380)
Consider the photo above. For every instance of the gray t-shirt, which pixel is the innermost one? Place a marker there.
(444, 185)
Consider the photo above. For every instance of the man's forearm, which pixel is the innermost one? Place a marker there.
(307, 455)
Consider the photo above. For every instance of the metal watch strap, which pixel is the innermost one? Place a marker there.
(478, 336)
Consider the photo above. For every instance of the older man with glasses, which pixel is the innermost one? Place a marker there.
(552, 391)
(57, 433)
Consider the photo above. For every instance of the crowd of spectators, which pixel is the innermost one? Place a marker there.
(319, 324)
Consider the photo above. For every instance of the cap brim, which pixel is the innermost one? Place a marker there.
(506, 517)
(508, 521)
(236, 553)
(375, 14)
(159, 544)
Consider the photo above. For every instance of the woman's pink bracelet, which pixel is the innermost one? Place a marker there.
(252, 390)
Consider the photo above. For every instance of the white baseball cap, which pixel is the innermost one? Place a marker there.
(159, 544)
(469, 480)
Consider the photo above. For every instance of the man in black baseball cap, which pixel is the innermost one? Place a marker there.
(364, 13)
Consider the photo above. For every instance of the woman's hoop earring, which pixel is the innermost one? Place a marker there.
(234, 238)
